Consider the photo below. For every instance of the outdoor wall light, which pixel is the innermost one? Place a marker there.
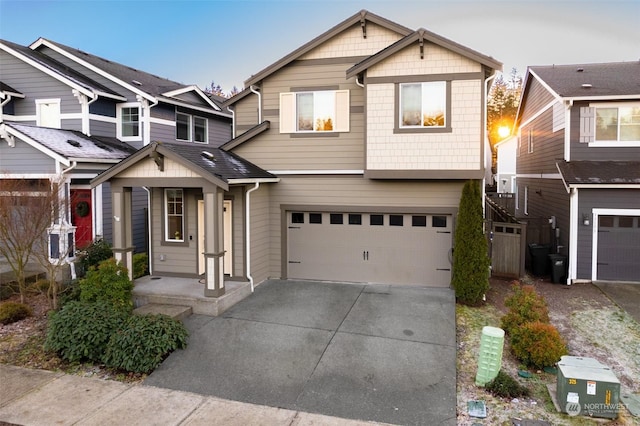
(585, 220)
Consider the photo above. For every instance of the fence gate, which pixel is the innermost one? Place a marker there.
(507, 249)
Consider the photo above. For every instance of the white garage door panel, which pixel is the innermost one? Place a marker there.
(369, 253)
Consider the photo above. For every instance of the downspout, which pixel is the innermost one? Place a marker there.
(486, 137)
(72, 265)
(358, 83)
(95, 98)
(149, 222)
(247, 243)
(2, 104)
(259, 102)
(572, 266)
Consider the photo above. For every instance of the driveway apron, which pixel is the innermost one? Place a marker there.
(368, 352)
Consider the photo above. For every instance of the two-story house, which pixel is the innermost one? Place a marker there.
(362, 139)
(578, 165)
(68, 115)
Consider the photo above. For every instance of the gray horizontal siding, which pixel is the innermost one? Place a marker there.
(107, 213)
(162, 133)
(164, 111)
(219, 131)
(101, 128)
(589, 199)
(24, 159)
(548, 147)
(102, 106)
(537, 98)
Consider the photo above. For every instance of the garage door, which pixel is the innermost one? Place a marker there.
(409, 249)
(618, 248)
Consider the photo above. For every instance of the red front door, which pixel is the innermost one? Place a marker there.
(81, 214)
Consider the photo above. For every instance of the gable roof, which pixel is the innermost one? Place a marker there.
(58, 71)
(422, 35)
(614, 80)
(143, 83)
(6, 90)
(254, 131)
(358, 18)
(69, 145)
(599, 173)
(216, 165)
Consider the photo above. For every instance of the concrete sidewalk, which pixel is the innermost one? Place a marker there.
(39, 397)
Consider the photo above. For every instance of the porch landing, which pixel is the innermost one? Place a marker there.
(187, 292)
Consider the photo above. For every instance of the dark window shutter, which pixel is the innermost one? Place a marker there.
(587, 124)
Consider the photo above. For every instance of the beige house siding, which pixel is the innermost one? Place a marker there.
(353, 193)
(458, 150)
(261, 245)
(437, 60)
(148, 168)
(236, 194)
(351, 43)
(179, 258)
(246, 113)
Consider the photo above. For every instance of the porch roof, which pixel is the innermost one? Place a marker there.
(600, 173)
(212, 163)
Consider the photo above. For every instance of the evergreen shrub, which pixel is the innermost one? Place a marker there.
(81, 330)
(140, 265)
(108, 282)
(537, 344)
(471, 262)
(11, 312)
(506, 386)
(525, 305)
(144, 341)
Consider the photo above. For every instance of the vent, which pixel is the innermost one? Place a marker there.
(136, 82)
(207, 155)
(73, 143)
(586, 86)
(580, 70)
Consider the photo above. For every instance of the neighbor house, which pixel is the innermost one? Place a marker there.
(68, 115)
(506, 164)
(578, 165)
(347, 163)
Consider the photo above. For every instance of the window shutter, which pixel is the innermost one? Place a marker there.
(587, 124)
(342, 111)
(287, 112)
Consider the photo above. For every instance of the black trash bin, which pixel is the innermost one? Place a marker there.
(539, 258)
(558, 268)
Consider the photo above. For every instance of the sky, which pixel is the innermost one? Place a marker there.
(197, 42)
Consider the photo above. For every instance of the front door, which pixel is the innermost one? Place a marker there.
(81, 216)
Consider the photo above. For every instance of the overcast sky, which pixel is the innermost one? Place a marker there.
(195, 42)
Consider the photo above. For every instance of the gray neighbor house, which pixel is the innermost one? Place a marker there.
(578, 165)
(67, 115)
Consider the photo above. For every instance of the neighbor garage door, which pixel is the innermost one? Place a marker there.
(618, 248)
(408, 249)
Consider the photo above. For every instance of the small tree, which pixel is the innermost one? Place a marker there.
(470, 259)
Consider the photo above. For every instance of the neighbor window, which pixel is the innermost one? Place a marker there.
(423, 104)
(174, 214)
(314, 111)
(191, 128)
(129, 124)
(618, 124)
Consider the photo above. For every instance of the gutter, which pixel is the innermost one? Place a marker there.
(247, 218)
(259, 102)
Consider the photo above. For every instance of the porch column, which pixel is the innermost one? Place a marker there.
(122, 232)
(214, 241)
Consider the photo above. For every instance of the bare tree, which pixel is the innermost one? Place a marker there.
(29, 210)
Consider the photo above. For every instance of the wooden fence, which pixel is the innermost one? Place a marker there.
(507, 249)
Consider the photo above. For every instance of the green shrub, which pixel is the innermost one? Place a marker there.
(81, 330)
(94, 253)
(470, 277)
(140, 265)
(144, 341)
(537, 344)
(12, 311)
(70, 292)
(109, 282)
(525, 305)
(506, 386)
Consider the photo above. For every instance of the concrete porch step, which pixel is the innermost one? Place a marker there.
(174, 311)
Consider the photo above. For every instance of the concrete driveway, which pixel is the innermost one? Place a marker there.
(368, 352)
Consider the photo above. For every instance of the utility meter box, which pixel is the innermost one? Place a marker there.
(587, 387)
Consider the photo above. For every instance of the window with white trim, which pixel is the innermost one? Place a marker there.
(128, 122)
(48, 113)
(191, 128)
(617, 124)
(174, 215)
(423, 104)
(314, 111)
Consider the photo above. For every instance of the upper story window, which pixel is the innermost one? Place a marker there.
(314, 111)
(191, 128)
(610, 125)
(618, 124)
(423, 107)
(48, 113)
(128, 123)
